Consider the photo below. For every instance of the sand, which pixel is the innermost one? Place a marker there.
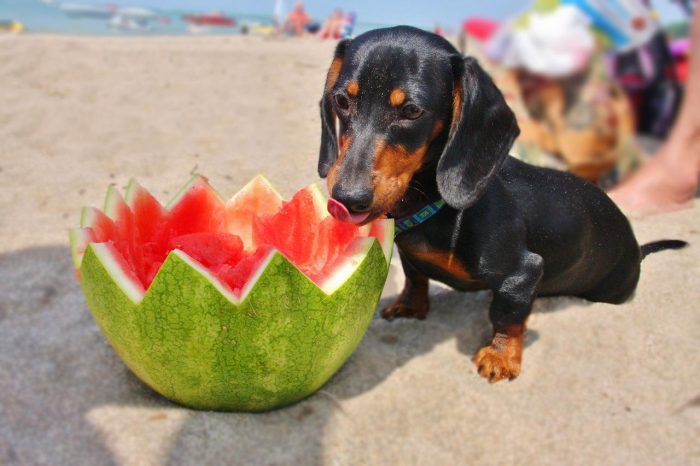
(600, 384)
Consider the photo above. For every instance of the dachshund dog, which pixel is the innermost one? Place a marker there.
(406, 122)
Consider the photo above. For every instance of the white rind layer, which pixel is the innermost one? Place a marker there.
(79, 239)
(355, 254)
(107, 255)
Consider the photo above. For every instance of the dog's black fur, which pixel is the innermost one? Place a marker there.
(518, 230)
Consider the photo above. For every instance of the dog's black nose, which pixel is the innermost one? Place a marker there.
(356, 201)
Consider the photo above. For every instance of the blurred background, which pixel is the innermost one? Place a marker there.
(596, 85)
(169, 16)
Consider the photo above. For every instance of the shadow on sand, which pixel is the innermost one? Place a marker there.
(69, 400)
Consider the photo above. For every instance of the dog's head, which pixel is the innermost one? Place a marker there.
(406, 101)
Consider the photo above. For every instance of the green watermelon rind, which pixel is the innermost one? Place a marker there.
(190, 341)
(113, 199)
(79, 239)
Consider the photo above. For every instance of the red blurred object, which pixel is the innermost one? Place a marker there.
(680, 49)
(639, 23)
(211, 19)
(480, 28)
(682, 69)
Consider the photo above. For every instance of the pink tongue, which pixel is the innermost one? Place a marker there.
(340, 212)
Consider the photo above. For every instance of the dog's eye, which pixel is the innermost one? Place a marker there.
(341, 101)
(411, 111)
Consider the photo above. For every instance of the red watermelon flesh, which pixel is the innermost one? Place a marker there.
(291, 230)
(102, 226)
(211, 232)
(237, 275)
(210, 248)
(309, 241)
(258, 198)
(336, 236)
(149, 216)
(199, 210)
(124, 236)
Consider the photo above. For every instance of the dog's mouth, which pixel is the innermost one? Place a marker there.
(340, 212)
(383, 209)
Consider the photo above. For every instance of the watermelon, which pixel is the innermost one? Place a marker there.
(249, 304)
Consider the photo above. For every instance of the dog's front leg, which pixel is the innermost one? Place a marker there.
(413, 301)
(512, 301)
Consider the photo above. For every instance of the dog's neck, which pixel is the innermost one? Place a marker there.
(421, 191)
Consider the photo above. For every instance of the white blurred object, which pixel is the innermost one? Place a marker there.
(140, 13)
(123, 22)
(132, 19)
(556, 44)
(86, 10)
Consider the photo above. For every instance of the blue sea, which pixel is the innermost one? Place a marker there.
(46, 17)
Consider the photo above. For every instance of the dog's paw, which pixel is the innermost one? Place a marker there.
(499, 361)
(397, 310)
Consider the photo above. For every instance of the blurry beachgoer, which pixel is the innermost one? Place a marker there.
(297, 20)
(348, 25)
(333, 27)
(437, 29)
(669, 180)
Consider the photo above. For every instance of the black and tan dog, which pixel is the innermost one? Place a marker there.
(417, 122)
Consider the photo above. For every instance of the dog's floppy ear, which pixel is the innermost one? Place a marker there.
(482, 132)
(329, 140)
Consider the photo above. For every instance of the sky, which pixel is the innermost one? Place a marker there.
(417, 12)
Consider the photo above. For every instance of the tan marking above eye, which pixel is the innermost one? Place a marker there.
(397, 97)
(353, 88)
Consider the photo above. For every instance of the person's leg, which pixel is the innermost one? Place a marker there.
(669, 180)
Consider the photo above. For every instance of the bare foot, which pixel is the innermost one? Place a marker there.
(659, 186)
(670, 179)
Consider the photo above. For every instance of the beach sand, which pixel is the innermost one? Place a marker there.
(600, 384)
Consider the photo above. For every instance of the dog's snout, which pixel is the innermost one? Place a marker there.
(355, 200)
